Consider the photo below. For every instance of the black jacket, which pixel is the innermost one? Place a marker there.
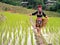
(39, 14)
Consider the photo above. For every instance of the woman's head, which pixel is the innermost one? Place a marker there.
(39, 8)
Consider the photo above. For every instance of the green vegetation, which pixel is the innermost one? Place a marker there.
(22, 10)
(16, 28)
(34, 3)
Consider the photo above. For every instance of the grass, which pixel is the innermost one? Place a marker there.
(17, 27)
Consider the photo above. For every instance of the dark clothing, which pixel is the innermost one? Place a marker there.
(39, 14)
(38, 23)
(39, 19)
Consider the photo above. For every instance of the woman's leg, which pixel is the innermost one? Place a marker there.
(38, 26)
(38, 31)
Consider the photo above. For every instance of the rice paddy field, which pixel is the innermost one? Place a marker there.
(16, 29)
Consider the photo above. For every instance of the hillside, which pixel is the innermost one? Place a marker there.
(20, 9)
(16, 9)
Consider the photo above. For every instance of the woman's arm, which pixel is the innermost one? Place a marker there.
(45, 15)
(35, 13)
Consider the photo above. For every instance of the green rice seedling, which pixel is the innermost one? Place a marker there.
(14, 30)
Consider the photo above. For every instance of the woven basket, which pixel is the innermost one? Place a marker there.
(44, 22)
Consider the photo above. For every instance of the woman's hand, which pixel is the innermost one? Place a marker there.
(46, 17)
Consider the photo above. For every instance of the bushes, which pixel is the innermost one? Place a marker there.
(29, 6)
(43, 6)
(58, 10)
(5, 8)
(58, 5)
(53, 8)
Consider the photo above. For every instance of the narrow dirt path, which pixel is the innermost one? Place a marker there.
(40, 40)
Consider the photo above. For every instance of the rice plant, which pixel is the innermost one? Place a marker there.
(16, 30)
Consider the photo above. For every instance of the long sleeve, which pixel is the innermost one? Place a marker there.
(44, 14)
(35, 13)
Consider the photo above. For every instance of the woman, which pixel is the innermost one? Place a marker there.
(40, 22)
